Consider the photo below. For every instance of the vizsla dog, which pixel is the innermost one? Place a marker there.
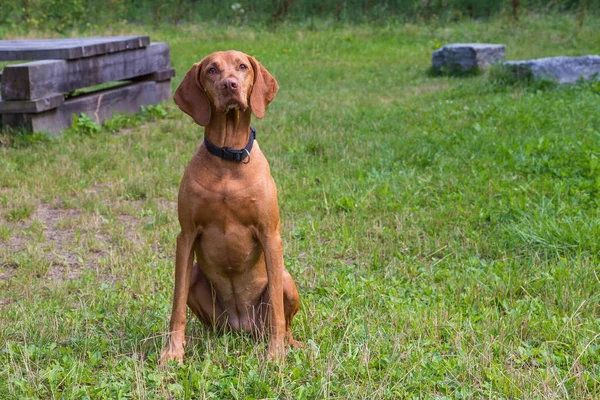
(228, 211)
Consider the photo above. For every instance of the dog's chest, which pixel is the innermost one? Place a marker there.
(228, 240)
(227, 208)
(228, 215)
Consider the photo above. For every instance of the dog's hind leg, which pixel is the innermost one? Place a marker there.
(202, 300)
(291, 305)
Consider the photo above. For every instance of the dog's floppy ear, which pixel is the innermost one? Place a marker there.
(264, 90)
(191, 98)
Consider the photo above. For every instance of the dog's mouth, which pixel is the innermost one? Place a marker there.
(233, 104)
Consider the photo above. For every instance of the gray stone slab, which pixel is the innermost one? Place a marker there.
(99, 105)
(69, 48)
(561, 69)
(43, 78)
(467, 57)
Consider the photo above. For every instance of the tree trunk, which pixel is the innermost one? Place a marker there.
(281, 11)
(581, 13)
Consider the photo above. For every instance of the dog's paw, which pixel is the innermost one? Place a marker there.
(171, 352)
(294, 344)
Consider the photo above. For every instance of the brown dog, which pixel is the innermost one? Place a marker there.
(228, 211)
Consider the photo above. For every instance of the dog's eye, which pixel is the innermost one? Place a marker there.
(212, 70)
(243, 66)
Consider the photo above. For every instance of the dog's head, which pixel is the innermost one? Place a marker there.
(223, 81)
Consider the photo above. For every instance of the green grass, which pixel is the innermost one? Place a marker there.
(443, 232)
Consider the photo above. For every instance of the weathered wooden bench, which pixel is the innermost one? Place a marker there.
(42, 95)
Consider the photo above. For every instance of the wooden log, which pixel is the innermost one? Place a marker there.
(99, 105)
(32, 106)
(42, 78)
(68, 49)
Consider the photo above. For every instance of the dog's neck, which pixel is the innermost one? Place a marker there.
(230, 129)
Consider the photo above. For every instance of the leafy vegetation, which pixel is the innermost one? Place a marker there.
(443, 231)
(64, 15)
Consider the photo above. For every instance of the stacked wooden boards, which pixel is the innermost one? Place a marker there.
(41, 95)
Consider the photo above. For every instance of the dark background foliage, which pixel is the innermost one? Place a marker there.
(62, 15)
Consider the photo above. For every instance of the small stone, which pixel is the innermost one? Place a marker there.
(560, 69)
(467, 57)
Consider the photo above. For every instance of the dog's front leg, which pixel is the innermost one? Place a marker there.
(273, 249)
(183, 269)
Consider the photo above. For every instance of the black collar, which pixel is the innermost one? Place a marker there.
(227, 153)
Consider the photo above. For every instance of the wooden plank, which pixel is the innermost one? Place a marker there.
(100, 106)
(70, 48)
(158, 76)
(42, 78)
(32, 106)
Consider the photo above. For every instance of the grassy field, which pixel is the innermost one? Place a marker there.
(443, 232)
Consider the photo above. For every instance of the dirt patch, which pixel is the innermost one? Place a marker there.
(52, 219)
(166, 204)
(65, 240)
(7, 271)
